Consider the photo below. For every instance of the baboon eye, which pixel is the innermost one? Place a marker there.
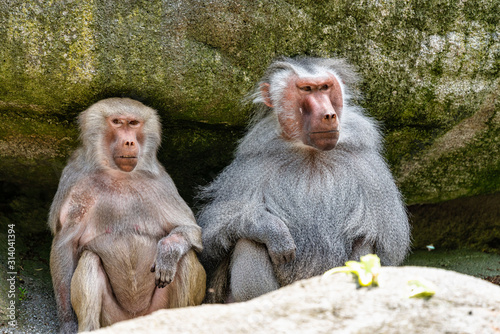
(116, 121)
(324, 87)
(134, 122)
(306, 88)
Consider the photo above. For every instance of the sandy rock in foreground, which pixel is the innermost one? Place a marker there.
(462, 304)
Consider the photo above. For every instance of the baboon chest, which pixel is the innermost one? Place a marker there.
(122, 209)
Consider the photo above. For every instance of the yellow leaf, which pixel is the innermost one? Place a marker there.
(421, 289)
(366, 270)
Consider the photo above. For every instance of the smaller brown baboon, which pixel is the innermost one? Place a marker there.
(308, 188)
(124, 240)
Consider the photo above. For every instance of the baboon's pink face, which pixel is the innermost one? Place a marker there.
(124, 139)
(309, 110)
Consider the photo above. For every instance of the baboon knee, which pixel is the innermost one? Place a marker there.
(86, 291)
(189, 286)
(252, 272)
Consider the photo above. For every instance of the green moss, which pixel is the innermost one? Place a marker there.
(428, 66)
(25, 120)
(486, 10)
(403, 144)
(464, 261)
(200, 59)
(466, 171)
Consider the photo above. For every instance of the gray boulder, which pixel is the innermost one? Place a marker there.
(461, 304)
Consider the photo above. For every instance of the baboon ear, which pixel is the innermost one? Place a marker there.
(264, 91)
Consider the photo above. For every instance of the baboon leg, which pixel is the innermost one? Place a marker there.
(91, 295)
(218, 284)
(251, 270)
(87, 287)
(360, 248)
(188, 287)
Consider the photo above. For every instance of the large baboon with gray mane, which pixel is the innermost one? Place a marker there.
(308, 188)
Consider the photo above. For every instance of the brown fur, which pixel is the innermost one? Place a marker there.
(124, 240)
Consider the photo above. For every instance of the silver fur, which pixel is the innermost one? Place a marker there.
(328, 200)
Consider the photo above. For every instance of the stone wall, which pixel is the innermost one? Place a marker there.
(431, 76)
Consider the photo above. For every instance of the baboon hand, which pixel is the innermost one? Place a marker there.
(164, 272)
(165, 265)
(280, 245)
(283, 253)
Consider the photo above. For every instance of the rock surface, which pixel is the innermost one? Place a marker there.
(461, 304)
(431, 74)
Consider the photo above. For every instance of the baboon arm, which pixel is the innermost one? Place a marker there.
(248, 220)
(63, 263)
(270, 230)
(385, 248)
(191, 233)
(171, 249)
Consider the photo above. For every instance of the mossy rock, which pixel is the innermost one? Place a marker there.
(431, 77)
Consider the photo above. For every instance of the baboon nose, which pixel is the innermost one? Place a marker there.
(329, 117)
(129, 143)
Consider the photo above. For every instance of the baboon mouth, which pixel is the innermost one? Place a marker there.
(126, 163)
(319, 132)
